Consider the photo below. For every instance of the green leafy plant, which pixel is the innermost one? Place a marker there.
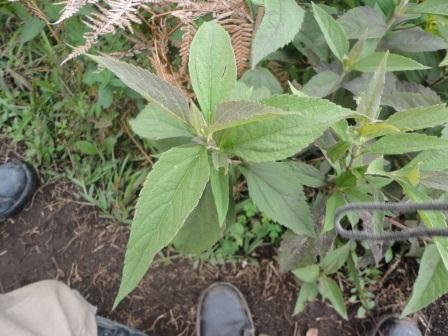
(235, 134)
(373, 29)
(250, 231)
(360, 155)
(298, 154)
(188, 178)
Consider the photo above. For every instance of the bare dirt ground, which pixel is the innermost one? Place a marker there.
(59, 237)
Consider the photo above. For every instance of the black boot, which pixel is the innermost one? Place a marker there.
(223, 311)
(18, 181)
(393, 326)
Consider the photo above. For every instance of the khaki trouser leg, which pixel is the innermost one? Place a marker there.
(46, 308)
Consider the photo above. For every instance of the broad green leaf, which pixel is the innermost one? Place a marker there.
(335, 201)
(400, 95)
(335, 259)
(431, 281)
(249, 92)
(166, 144)
(363, 21)
(201, 229)
(402, 101)
(442, 29)
(356, 194)
(360, 49)
(420, 118)
(308, 292)
(333, 32)
(231, 114)
(260, 94)
(407, 95)
(342, 130)
(307, 174)
(308, 273)
(372, 223)
(315, 111)
(155, 122)
(220, 189)
(410, 173)
(197, 119)
(376, 167)
(444, 62)
(432, 160)
(277, 192)
(438, 7)
(220, 160)
(295, 91)
(345, 180)
(281, 137)
(212, 66)
(262, 78)
(386, 6)
(431, 219)
(394, 63)
(32, 27)
(86, 147)
(413, 40)
(282, 20)
(338, 150)
(296, 251)
(322, 84)
(149, 86)
(330, 290)
(435, 180)
(243, 92)
(369, 104)
(406, 143)
(170, 193)
(311, 42)
(377, 129)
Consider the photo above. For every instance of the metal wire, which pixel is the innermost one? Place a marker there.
(389, 236)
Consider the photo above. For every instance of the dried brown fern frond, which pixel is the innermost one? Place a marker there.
(240, 26)
(34, 10)
(159, 59)
(241, 33)
(164, 71)
(188, 33)
(72, 7)
(188, 11)
(279, 71)
(113, 15)
(233, 15)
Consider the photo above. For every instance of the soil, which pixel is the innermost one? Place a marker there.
(59, 237)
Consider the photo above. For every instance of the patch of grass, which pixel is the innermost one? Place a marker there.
(68, 119)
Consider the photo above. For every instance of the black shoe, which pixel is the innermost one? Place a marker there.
(108, 327)
(18, 181)
(223, 311)
(393, 326)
